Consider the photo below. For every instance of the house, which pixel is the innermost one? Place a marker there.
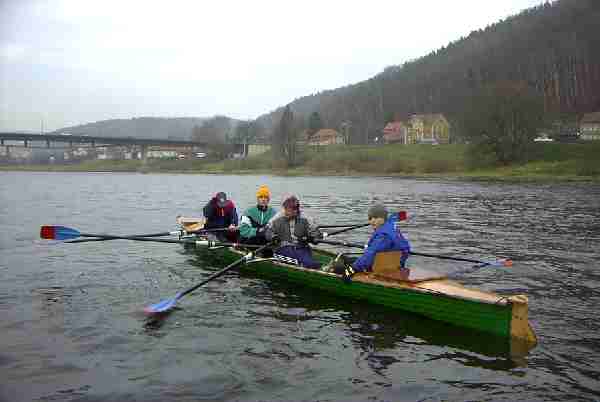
(419, 129)
(326, 136)
(428, 128)
(589, 126)
(257, 149)
(395, 132)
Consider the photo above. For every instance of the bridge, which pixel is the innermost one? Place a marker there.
(64, 141)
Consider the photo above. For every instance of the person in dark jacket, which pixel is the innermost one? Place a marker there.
(386, 237)
(293, 231)
(254, 220)
(220, 213)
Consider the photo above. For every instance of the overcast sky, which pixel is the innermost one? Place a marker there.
(75, 62)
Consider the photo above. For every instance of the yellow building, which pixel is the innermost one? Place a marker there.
(428, 128)
(590, 126)
(326, 136)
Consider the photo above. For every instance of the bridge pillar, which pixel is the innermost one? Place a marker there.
(144, 154)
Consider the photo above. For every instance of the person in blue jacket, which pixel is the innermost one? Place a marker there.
(386, 237)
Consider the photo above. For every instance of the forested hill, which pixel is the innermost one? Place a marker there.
(554, 47)
(176, 128)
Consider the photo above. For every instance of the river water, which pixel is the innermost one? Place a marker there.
(71, 326)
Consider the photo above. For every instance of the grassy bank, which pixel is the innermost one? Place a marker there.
(550, 161)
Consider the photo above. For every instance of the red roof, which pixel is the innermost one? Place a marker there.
(394, 131)
(393, 127)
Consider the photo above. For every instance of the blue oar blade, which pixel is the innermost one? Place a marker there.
(58, 233)
(162, 306)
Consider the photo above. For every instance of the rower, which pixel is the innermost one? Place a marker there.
(254, 220)
(386, 237)
(294, 231)
(220, 213)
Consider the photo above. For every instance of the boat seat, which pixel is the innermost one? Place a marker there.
(190, 224)
(387, 267)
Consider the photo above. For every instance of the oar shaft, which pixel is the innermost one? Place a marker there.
(336, 226)
(342, 243)
(441, 257)
(201, 243)
(244, 259)
(446, 257)
(347, 229)
(108, 237)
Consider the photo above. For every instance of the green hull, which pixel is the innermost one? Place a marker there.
(480, 315)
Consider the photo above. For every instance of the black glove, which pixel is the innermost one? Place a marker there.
(275, 240)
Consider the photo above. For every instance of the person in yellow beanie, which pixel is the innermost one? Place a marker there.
(254, 219)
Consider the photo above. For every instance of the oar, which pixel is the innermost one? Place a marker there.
(132, 237)
(161, 234)
(66, 233)
(167, 304)
(402, 216)
(502, 262)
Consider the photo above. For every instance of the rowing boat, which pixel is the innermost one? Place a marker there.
(414, 290)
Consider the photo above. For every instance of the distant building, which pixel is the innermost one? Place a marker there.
(326, 136)
(395, 132)
(428, 128)
(257, 149)
(419, 129)
(589, 126)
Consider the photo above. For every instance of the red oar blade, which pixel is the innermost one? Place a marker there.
(402, 215)
(58, 233)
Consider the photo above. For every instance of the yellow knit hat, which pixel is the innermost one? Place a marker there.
(263, 191)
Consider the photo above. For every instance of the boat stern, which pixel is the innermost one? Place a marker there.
(520, 328)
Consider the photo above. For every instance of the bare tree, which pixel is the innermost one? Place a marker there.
(285, 138)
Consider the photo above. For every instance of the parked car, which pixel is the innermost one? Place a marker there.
(200, 155)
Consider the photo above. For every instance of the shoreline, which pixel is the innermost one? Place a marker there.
(489, 176)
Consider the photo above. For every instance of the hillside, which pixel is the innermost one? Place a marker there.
(552, 47)
(177, 128)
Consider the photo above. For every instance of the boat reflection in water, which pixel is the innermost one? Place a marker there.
(376, 330)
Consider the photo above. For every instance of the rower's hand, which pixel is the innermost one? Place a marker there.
(348, 274)
(232, 228)
(341, 267)
(275, 240)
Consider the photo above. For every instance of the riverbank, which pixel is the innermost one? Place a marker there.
(550, 162)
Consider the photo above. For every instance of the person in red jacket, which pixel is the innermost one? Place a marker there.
(221, 213)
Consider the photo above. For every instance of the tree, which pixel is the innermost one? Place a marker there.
(213, 132)
(314, 124)
(246, 132)
(285, 138)
(503, 119)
